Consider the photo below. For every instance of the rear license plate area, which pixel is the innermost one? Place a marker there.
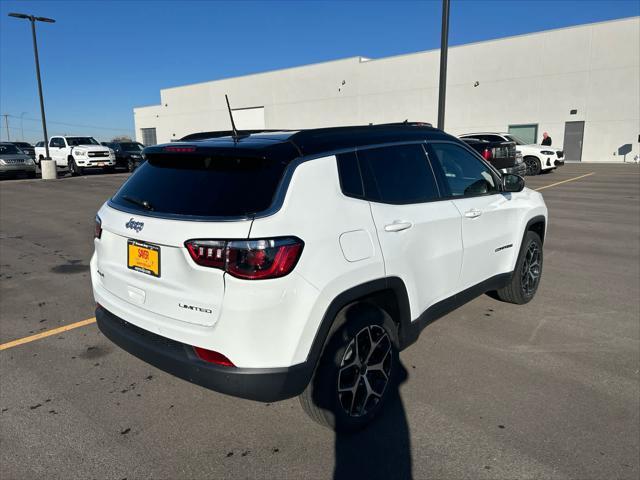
(143, 257)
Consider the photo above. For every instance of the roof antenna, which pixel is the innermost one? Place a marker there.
(233, 125)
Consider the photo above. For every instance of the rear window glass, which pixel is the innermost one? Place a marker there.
(211, 186)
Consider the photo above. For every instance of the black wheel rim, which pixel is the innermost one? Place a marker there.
(531, 270)
(365, 371)
(130, 165)
(531, 166)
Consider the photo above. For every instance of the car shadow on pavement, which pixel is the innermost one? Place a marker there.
(381, 450)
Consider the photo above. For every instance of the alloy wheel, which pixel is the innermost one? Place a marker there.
(365, 371)
(531, 269)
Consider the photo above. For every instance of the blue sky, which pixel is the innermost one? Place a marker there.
(102, 58)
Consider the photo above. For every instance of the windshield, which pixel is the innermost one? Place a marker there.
(22, 145)
(518, 140)
(9, 150)
(132, 147)
(75, 141)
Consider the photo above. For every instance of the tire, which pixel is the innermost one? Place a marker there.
(40, 158)
(533, 165)
(527, 274)
(74, 169)
(340, 396)
(130, 165)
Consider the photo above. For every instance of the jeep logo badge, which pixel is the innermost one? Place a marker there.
(133, 225)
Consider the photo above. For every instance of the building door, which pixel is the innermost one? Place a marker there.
(572, 145)
(527, 133)
(149, 137)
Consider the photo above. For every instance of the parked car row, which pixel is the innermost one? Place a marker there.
(506, 152)
(76, 154)
(536, 158)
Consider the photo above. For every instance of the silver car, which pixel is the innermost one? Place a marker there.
(14, 161)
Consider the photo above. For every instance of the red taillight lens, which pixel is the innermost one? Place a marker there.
(208, 253)
(248, 259)
(487, 154)
(179, 149)
(213, 357)
(97, 232)
(257, 259)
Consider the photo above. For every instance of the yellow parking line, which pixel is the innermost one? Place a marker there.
(565, 181)
(48, 333)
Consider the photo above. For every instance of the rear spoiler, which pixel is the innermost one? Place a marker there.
(223, 133)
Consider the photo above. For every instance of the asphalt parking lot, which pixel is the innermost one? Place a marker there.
(548, 390)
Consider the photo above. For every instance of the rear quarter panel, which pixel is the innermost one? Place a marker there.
(341, 246)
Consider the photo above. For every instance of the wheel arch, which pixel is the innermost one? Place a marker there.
(388, 294)
(537, 224)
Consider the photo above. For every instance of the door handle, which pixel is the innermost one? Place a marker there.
(397, 226)
(473, 213)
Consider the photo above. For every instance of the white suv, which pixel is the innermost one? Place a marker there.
(272, 265)
(537, 158)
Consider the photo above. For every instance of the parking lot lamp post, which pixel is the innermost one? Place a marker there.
(47, 166)
(444, 46)
(22, 126)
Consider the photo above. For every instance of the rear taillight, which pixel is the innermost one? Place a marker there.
(487, 154)
(213, 357)
(248, 259)
(208, 253)
(97, 233)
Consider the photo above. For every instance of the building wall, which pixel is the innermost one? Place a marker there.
(536, 78)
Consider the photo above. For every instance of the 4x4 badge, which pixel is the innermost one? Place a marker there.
(133, 225)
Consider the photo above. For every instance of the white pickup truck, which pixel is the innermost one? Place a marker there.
(77, 154)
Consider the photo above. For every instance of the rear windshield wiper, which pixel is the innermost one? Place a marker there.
(142, 203)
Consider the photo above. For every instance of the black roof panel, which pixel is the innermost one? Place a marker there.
(293, 144)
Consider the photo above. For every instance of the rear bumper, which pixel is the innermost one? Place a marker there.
(179, 359)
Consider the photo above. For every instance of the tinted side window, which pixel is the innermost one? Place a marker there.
(349, 172)
(464, 174)
(398, 175)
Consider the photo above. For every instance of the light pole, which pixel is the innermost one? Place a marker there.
(444, 46)
(47, 166)
(6, 124)
(22, 125)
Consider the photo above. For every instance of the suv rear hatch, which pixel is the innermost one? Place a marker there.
(180, 194)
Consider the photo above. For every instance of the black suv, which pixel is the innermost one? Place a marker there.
(128, 154)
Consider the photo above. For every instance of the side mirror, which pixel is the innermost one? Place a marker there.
(512, 183)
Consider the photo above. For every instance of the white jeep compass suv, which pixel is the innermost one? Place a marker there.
(278, 264)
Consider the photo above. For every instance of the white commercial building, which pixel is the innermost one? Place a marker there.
(581, 84)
